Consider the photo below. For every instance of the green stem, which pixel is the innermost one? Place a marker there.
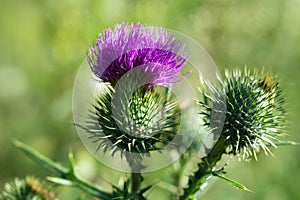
(135, 182)
(205, 170)
(136, 177)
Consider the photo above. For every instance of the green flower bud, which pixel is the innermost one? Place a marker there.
(146, 121)
(255, 114)
(26, 189)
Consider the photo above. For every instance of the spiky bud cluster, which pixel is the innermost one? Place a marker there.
(146, 121)
(26, 189)
(255, 112)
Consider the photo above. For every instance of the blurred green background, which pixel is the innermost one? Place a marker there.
(44, 42)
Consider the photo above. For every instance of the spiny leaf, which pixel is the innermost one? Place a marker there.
(71, 162)
(60, 181)
(66, 176)
(41, 159)
(232, 182)
(145, 189)
(283, 143)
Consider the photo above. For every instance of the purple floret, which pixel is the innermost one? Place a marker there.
(127, 46)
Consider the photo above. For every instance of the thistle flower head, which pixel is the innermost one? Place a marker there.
(255, 112)
(127, 46)
(27, 189)
(135, 114)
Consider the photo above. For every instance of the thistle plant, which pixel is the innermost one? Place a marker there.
(135, 113)
(145, 118)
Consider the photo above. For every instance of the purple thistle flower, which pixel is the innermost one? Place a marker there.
(127, 46)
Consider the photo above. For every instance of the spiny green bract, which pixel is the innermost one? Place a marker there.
(254, 114)
(124, 194)
(26, 189)
(146, 121)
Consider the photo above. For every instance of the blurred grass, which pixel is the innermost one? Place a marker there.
(44, 42)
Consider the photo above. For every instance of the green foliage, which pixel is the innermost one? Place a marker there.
(31, 189)
(230, 181)
(126, 195)
(65, 176)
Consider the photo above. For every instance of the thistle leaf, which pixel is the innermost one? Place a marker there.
(71, 162)
(284, 143)
(66, 176)
(41, 159)
(60, 181)
(230, 181)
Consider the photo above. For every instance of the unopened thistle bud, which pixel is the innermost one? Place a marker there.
(148, 122)
(255, 114)
(254, 120)
(26, 189)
